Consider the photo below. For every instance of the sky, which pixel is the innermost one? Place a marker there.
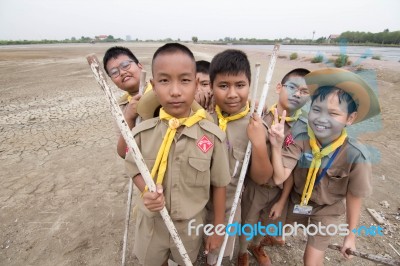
(206, 19)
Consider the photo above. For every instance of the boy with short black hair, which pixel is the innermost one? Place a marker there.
(331, 171)
(124, 69)
(230, 80)
(187, 154)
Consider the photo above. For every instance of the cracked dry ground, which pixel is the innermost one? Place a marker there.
(62, 189)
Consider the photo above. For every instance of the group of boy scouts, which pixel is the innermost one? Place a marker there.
(304, 168)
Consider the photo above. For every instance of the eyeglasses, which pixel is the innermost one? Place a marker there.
(293, 89)
(125, 65)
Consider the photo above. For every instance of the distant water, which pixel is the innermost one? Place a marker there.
(386, 53)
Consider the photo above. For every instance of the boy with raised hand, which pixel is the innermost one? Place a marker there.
(124, 69)
(331, 171)
(230, 81)
(263, 200)
(187, 157)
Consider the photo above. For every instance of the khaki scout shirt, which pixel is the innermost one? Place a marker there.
(350, 170)
(268, 119)
(194, 165)
(236, 143)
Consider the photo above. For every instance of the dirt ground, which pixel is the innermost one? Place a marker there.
(63, 192)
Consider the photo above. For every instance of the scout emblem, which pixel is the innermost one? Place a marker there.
(204, 144)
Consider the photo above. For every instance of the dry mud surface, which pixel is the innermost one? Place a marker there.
(63, 192)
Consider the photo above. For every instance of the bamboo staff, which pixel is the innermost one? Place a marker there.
(371, 257)
(248, 149)
(137, 156)
(129, 202)
(255, 86)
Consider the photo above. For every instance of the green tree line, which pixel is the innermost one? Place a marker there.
(384, 37)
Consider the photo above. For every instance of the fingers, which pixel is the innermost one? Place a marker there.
(344, 253)
(276, 116)
(154, 201)
(283, 117)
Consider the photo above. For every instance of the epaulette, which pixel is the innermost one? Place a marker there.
(359, 146)
(299, 128)
(303, 119)
(144, 125)
(213, 129)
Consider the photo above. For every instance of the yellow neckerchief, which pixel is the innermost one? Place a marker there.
(129, 96)
(223, 121)
(288, 118)
(318, 154)
(160, 164)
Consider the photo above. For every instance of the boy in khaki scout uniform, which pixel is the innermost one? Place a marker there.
(331, 171)
(262, 200)
(230, 81)
(124, 69)
(186, 155)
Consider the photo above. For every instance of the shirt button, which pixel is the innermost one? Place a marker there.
(175, 185)
(177, 159)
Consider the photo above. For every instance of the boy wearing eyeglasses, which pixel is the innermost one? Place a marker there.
(262, 199)
(124, 69)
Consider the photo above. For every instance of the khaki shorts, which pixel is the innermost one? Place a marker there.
(324, 214)
(257, 202)
(154, 245)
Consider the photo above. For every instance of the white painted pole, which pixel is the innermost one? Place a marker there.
(129, 202)
(255, 89)
(137, 156)
(248, 149)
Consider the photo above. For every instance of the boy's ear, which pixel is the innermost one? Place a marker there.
(152, 84)
(140, 65)
(351, 118)
(278, 88)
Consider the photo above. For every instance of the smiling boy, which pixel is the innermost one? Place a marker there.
(124, 69)
(331, 171)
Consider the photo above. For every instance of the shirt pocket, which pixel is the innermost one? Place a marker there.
(337, 181)
(198, 172)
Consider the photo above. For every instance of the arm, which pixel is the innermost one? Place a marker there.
(353, 209)
(276, 210)
(260, 167)
(130, 115)
(219, 193)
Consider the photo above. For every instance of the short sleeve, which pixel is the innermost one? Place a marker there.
(360, 177)
(220, 174)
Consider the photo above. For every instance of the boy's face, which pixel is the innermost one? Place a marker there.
(129, 73)
(203, 81)
(231, 92)
(293, 94)
(174, 82)
(327, 118)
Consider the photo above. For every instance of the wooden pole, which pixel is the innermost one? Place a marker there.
(129, 202)
(137, 156)
(371, 257)
(248, 150)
